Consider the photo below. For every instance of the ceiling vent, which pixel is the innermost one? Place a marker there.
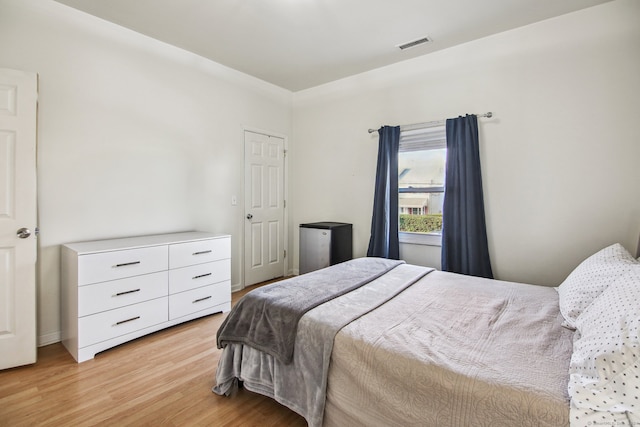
(414, 43)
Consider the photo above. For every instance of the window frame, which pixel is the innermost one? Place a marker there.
(431, 136)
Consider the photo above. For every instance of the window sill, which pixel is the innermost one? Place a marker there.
(427, 239)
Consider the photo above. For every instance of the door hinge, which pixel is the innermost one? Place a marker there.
(284, 203)
(285, 253)
(284, 152)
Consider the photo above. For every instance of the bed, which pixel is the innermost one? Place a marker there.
(377, 342)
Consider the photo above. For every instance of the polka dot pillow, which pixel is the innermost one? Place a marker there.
(590, 279)
(604, 381)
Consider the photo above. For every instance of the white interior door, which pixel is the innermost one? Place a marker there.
(264, 207)
(18, 249)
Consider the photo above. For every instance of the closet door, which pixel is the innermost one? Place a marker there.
(263, 207)
(18, 98)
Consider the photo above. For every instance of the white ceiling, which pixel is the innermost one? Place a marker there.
(297, 44)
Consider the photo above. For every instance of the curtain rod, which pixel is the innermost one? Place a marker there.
(431, 124)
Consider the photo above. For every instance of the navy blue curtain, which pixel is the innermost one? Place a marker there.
(464, 234)
(384, 224)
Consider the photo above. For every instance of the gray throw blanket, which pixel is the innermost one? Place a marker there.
(267, 318)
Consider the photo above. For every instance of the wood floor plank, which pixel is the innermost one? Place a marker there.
(163, 379)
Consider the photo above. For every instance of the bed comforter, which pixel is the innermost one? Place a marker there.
(445, 350)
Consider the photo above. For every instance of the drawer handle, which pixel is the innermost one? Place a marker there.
(128, 320)
(201, 299)
(126, 263)
(126, 292)
(201, 276)
(202, 252)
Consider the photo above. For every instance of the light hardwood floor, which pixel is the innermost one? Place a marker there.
(163, 379)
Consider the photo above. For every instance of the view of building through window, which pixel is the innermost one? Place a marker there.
(421, 190)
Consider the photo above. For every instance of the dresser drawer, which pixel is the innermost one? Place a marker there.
(110, 324)
(101, 267)
(199, 252)
(199, 299)
(118, 293)
(196, 276)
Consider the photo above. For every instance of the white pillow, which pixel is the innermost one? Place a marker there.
(590, 279)
(604, 381)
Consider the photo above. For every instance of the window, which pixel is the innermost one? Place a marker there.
(421, 172)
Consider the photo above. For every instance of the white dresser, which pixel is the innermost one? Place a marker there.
(117, 290)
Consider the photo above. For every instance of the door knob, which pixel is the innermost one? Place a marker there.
(23, 233)
(249, 216)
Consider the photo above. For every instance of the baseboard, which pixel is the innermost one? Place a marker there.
(50, 338)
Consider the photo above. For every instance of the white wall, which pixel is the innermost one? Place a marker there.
(134, 136)
(560, 158)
